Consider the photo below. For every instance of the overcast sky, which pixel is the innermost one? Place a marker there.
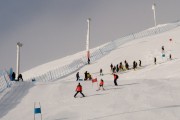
(52, 29)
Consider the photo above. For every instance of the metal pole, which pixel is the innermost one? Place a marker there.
(40, 108)
(88, 39)
(18, 59)
(34, 110)
(154, 11)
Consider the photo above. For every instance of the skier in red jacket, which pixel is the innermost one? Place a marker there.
(115, 79)
(79, 89)
(101, 85)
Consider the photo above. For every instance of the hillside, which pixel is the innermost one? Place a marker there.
(150, 92)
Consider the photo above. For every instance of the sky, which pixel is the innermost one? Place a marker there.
(52, 29)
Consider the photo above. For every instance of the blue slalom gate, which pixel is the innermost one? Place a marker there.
(37, 110)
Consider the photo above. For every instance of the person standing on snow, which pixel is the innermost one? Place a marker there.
(117, 68)
(111, 67)
(101, 84)
(115, 79)
(79, 90)
(155, 60)
(101, 72)
(114, 69)
(85, 75)
(77, 76)
(163, 52)
(120, 66)
(126, 65)
(134, 65)
(88, 60)
(20, 77)
(170, 57)
(162, 48)
(13, 76)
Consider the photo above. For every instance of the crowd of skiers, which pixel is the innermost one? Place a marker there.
(79, 88)
(115, 69)
(121, 67)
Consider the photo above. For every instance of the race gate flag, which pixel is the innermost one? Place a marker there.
(37, 111)
(94, 80)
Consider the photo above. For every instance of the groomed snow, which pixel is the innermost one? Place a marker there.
(148, 93)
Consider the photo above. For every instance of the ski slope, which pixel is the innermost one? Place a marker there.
(149, 93)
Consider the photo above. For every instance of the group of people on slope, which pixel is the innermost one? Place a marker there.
(87, 76)
(101, 85)
(114, 69)
(79, 88)
(13, 76)
(163, 55)
(121, 67)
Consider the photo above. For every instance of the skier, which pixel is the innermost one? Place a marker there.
(170, 57)
(115, 79)
(101, 72)
(111, 66)
(85, 75)
(162, 48)
(88, 60)
(101, 84)
(125, 62)
(117, 68)
(155, 60)
(114, 69)
(79, 90)
(134, 65)
(89, 76)
(120, 66)
(139, 63)
(126, 65)
(77, 76)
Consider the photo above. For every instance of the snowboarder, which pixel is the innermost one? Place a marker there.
(101, 84)
(115, 79)
(155, 60)
(101, 72)
(79, 90)
(77, 76)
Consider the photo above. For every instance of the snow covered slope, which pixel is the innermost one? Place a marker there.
(149, 93)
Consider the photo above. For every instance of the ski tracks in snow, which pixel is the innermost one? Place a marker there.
(14, 97)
